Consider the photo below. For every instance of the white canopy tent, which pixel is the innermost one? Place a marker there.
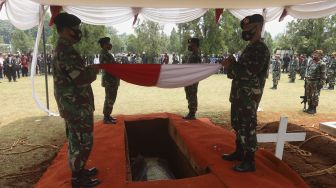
(26, 14)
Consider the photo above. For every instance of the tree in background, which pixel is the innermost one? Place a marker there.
(21, 41)
(116, 40)
(305, 36)
(174, 41)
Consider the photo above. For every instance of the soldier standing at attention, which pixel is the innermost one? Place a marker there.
(110, 82)
(248, 80)
(74, 97)
(293, 68)
(276, 72)
(332, 71)
(303, 65)
(191, 91)
(315, 79)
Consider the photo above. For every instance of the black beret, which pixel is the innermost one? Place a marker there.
(194, 40)
(104, 40)
(255, 18)
(66, 20)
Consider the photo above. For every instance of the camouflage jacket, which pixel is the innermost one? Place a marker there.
(295, 64)
(107, 79)
(276, 66)
(316, 72)
(249, 73)
(194, 58)
(72, 89)
(332, 67)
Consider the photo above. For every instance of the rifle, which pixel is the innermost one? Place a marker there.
(304, 98)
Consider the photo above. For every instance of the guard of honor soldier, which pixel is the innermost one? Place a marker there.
(248, 80)
(315, 79)
(302, 66)
(74, 97)
(276, 71)
(109, 82)
(332, 71)
(191, 91)
(293, 68)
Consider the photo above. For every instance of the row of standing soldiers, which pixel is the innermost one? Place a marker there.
(316, 73)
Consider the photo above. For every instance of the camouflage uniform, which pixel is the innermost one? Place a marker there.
(315, 79)
(74, 97)
(191, 91)
(110, 83)
(276, 72)
(303, 67)
(248, 80)
(332, 73)
(293, 67)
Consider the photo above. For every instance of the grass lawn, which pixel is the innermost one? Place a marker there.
(20, 117)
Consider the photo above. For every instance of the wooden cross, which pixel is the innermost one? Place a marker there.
(281, 137)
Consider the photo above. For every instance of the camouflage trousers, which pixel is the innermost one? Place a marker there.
(111, 92)
(302, 72)
(79, 132)
(191, 96)
(292, 75)
(276, 78)
(244, 122)
(313, 89)
(331, 78)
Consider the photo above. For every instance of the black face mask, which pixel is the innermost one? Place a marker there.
(78, 35)
(247, 35)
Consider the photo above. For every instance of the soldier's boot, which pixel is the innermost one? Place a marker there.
(90, 172)
(190, 116)
(312, 110)
(331, 87)
(80, 179)
(237, 155)
(248, 164)
(109, 120)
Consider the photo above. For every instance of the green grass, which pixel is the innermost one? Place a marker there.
(16, 98)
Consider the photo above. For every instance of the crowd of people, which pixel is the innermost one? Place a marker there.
(14, 66)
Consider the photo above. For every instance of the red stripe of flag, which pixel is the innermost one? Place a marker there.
(139, 74)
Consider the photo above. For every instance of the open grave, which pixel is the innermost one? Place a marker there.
(185, 153)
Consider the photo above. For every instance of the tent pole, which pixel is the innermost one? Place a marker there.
(45, 66)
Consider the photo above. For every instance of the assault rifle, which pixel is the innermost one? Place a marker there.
(304, 98)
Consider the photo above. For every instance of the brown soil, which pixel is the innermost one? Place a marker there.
(322, 148)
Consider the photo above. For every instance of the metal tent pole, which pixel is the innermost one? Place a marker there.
(45, 67)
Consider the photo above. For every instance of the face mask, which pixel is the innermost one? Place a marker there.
(78, 35)
(247, 35)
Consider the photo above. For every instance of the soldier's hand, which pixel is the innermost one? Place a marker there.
(228, 61)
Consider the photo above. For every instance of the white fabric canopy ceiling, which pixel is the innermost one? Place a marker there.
(24, 14)
(179, 3)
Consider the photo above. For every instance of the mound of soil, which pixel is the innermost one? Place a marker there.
(321, 146)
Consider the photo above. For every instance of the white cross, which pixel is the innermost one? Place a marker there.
(281, 137)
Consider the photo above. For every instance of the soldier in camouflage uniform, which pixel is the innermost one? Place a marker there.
(111, 83)
(303, 66)
(293, 68)
(315, 79)
(276, 72)
(332, 71)
(248, 80)
(74, 97)
(191, 91)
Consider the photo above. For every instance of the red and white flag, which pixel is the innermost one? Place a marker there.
(164, 76)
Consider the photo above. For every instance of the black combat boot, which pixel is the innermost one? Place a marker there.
(109, 120)
(190, 116)
(247, 165)
(79, 179)
(312, 110)
(237, 155)
(90, 172)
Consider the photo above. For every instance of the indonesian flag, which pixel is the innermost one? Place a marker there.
(163, 76)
